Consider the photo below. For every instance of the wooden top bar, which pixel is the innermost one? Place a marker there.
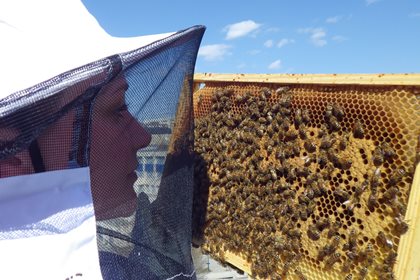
(407, 79)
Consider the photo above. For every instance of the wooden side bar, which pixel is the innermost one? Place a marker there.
(339, 79)
(408, 262)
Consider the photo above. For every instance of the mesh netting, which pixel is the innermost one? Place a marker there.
(129, 118)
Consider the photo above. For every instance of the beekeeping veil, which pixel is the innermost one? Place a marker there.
(88, 117)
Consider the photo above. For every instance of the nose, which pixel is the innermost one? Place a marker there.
(140, 137)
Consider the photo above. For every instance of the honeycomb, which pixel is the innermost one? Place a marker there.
(305, 181)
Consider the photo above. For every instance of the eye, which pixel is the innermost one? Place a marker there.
(122, 109)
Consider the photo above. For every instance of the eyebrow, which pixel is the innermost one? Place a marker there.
(123, 87)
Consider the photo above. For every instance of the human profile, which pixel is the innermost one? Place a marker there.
(115, 137)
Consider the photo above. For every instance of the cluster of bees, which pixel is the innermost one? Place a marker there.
(263, 169)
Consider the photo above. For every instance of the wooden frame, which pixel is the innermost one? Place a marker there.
(344, 79)
(408, 265)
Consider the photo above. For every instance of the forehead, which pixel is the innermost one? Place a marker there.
(115, 89)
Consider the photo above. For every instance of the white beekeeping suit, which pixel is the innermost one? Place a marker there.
(74, 107)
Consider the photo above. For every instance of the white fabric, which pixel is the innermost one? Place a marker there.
(47, 227)
(44, 38)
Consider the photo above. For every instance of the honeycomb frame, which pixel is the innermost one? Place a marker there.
(377, 93)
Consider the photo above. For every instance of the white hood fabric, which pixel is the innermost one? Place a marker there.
(41, 39)
(54, 240)
(72, 97)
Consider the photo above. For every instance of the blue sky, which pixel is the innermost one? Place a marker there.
(276, 36)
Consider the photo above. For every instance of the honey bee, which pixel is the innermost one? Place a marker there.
(341, 194)
(389, 275)
(390, 259)
(350, 204)
(352, 239)
(359, 189)
(285, 100)
(387, 150)
(383, 241)
(280, 155)
(326, 142)
(338, 111)
(396, 177)
(322, 131)
(390, 194)
(328, 170)
(289, 194)
(322, 159)
(363, 273)
(322, 224)
(305, 116)
(285, 111)
(262, 120)
(303, 171)
(303, 199)
(307, 160)
(378, 157)
(303, 213)
(335, 242)
(329, 263)
(273, 174)
(300, 274)
(358, 130)
(298, 117)
(372, 202)
(348, 276)
(296, 150)
(313, 232)
(352, 255)
(345, 163)
(290, 136)
(398, 207)
(375, 180)
(343, 142)
(266, 92)
(328, 111)
(302, 133)
(326, 250)
(401, 227)
(309, 146)
(369, 253)
(334, 124)
(333, 231)
(346, 267)
(282, 90)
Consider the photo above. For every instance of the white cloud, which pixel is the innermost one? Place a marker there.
(240, 29)
(370, 2)
(214, 52)
(333, 19)
(268, 43)
(275, 65)
(283, 42)
(414, 15)
(339, 38)
(317, 35)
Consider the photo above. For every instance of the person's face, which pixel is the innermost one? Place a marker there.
(116, 137)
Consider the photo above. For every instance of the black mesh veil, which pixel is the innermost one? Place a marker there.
(129, 118)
